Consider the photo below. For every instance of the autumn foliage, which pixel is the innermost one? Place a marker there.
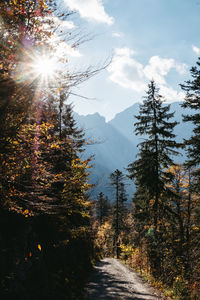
(45, 212)
(47, 242)
(160, 233)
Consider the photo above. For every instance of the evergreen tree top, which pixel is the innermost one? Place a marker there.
(154, 123)
(192, 101)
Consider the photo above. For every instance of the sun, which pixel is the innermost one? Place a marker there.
(40, 68)
(44, 67)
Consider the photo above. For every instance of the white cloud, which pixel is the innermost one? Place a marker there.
(159, 67)
(68, 24)
(129, 73)
(90, 9)
(126, 71)
(117, 34)
(65, 49)
(62, 23)
(181, 68)
(170, 94)
(124, 52)
(196, 49)
(62, 47)
(48, 20)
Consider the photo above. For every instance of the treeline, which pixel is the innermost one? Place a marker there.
(46, 245)
(160, 234)
(46, 238)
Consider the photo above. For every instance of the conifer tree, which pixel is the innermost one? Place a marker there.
(192, 101)
(71, 130)
(117, 179)
(102, 207)
(150, 170)
(157, 147)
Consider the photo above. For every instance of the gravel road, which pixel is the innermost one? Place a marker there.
(113, 280)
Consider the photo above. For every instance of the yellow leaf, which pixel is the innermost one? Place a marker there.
(39, 247)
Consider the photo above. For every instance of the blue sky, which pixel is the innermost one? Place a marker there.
(148, 39)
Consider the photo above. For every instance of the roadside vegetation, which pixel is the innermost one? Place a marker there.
(52, 232)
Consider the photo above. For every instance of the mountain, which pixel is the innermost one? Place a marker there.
(110, 148)
(114, 144)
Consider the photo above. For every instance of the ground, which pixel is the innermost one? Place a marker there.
(113, 280)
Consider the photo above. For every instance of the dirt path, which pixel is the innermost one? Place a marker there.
(112, 280)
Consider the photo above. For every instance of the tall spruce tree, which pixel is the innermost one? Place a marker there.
(157, 147)
(192, 101)
(117, 179)
(102, 207)
(71, 129)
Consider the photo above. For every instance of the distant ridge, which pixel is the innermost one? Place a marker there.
(115, 143)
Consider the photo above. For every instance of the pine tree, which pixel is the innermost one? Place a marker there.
(157, 148)
(102, 208)
(65, 154)
(192, 101)
(117, 179)
(71, 130)
(150, 171)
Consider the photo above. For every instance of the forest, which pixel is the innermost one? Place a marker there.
(52, 232)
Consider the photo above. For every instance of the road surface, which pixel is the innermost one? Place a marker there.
(113, 280)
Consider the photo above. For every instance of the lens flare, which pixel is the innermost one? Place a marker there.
(37, 68)
(44, 67)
